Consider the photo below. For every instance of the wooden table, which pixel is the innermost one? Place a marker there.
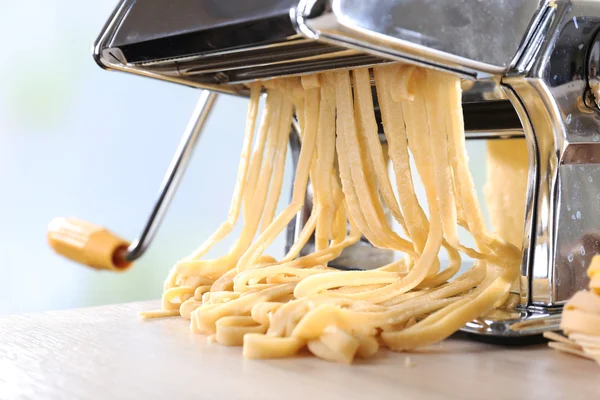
(109, 353)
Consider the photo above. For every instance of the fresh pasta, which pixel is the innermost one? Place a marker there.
(276, 308)
(507, 167)
(581, 320)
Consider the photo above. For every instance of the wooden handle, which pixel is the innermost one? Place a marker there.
(88, 244)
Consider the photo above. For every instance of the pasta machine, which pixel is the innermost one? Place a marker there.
(533, 72)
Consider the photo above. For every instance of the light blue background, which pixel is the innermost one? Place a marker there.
(76, 140)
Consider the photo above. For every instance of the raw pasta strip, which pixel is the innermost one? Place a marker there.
(395, 131)
(325, 158)
(438, 117)
(464, 182)
(300, 182)
(443, 323)
(215, 268)
(284, 127)
(369, 206)
(366, 116)
(238, 192)
(388, 79)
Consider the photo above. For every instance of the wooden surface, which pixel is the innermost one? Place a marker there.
(109, 353)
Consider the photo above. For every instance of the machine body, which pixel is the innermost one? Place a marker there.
(534, 71)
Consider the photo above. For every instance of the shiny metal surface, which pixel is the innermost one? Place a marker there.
(160, 39)
(482, 90)
(174, 174)
(220, 50)
(578, 232)
(593, 72)
(515, 323)
(113, 59)
(530, 215)
(563, 131)
(155, 20)
(495, 134)
(535, 39)
(471, 37)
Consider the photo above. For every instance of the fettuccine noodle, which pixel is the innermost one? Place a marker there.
(276, 308)
(581, 320)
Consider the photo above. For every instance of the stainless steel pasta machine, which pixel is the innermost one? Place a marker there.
(533, 65)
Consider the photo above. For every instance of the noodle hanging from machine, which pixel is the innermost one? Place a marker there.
(275, 308)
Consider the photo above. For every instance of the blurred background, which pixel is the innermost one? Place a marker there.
(76, 140)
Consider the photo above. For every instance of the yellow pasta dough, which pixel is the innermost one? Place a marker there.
(506, 187)
(581, 320)
(276, 308)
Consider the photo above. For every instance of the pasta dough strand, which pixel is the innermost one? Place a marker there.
(277, 307)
